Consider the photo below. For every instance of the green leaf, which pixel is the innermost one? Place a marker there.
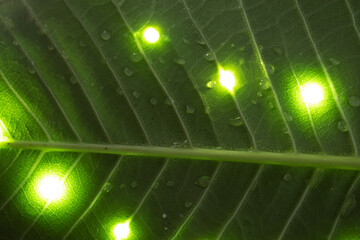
(232, 119)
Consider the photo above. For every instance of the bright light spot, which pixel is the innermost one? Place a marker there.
(312, 93)
(4, 135)
(122, 230)
(227, 79)
(51, 188)
(151, 35)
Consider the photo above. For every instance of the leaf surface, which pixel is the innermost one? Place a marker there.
(80, 72)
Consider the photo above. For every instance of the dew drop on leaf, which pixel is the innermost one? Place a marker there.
(287, 177)
(203, 181)
(170, 183)
(236, 122)
(278, 51)
(119, 91)
(342, 126)
(288, 117)
(128, 72)
(259, 94)
(73, 79)
(271, 105)
(354, 101)
(153, 101)
(136, 94)
(264, 84)
(50, 47)
(180, 61)
(136, 57)
(105, 35)
(82, 43)
(31, 70)
(108, 186)
(185, 41)
(188, 204)
(201, 41)
(348, 206)
(241, 61)
(254, 101)
(270, 69)
(334, 61)
(209, 56)
(164, 215)
(190, 109)
(161, 60)
(168, 101)
(133, 184)
(211, 84)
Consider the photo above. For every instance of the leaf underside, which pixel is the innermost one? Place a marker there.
(79, 72)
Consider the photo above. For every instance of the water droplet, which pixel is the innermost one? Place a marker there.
(264, 84)
(73, 79)
(211, 84)
(136, 94)
(168, 101)
(278, 51)
(170, 183)
(271, 105)
(128, 72)
(122, 186)
(136, 57)
(161, 60)
(232, 45)
(259, 94)
(176, 145)
(354, 101)
(185, 144)
(31, 70)
(236, 122)
(270, 69)
(334, 61)
(207, 110)
(180, 61)
(288, 117)
(133, 184)
(9, 23)
(105, 35)
(108, 186)
(82, 43)
(254, 101)
(348, 206)
(261, 48)
(164, 215)
(203, 181)
(190, 109)
(209, 56)
(241, 61)
(153, 101)
(287, 177)
(119, 91)
(201, 41)
(50, 47)
(188, 204)
(342, 126)
(185, 41)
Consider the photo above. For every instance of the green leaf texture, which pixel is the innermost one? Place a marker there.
(79, 72)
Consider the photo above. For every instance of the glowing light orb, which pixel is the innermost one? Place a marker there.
(51, 188)
(312, 93)
(151, 35)
(227, 79)
(121, 230)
